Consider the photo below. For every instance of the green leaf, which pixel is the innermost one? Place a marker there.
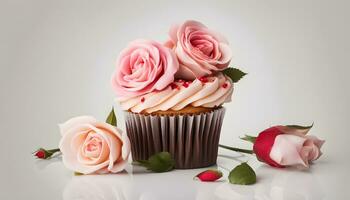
(249, 138)
(160, 162)
(111, 119)
(242, 174)
(234, 74)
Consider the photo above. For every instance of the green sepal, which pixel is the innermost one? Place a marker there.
(78, 174)
(112, 119)
(249, 138)
(300, 127)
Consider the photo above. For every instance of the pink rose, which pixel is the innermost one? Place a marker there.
(200, 50)
(281, 146)
(144, 66)
(89, 146)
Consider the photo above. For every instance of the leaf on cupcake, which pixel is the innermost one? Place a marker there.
(234, 74)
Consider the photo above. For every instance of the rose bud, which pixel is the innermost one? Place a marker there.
(42, 153)
(209, 175)
(281, 146)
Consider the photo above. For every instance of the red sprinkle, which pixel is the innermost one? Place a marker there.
(203, 79)
(174, 86)
(142, 99)
(180, 81)
(225, 85)
(186, 84)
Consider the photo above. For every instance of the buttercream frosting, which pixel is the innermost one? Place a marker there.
(211, 91)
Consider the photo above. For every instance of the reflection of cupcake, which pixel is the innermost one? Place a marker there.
(184, 115)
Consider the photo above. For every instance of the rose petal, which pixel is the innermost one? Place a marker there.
(319, 143)
(118, 166)
(287, 149)
(70, 150)
(200, 50)
(173, 33)
(106, 131)
(316, 145)
(144, 66)
(170, 68)
(64, 127)
(126, 144)
(170, 44)
(102, 154)
(187, 61)
(226, 55)
(185, 73)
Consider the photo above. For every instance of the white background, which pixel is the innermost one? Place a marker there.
(56, 59)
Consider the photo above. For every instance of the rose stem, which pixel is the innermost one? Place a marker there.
(237, 149)
(53, 150)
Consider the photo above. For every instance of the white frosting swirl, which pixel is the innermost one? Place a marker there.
(207, 92)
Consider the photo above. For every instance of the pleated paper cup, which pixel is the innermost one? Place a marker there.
(192, 139)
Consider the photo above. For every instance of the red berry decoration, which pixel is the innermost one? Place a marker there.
(186, 84)
(209, 175)
(174, 86)
(180, 81)
(203, 79)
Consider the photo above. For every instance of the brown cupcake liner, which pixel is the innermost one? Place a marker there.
(192, 140)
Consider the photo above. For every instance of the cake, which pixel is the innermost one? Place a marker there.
(173, 94)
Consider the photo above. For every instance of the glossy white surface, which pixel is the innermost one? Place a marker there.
(57, 56)
(50, 180)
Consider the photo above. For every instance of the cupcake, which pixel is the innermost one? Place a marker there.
(173, 93)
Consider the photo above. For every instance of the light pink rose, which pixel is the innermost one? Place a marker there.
(144, 66)
(89, 146)
(200, 50)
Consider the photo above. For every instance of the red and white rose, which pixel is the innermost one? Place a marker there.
(281, 146)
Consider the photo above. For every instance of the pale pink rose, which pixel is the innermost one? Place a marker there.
(89, 146)
(200, 50)
(144, 66)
